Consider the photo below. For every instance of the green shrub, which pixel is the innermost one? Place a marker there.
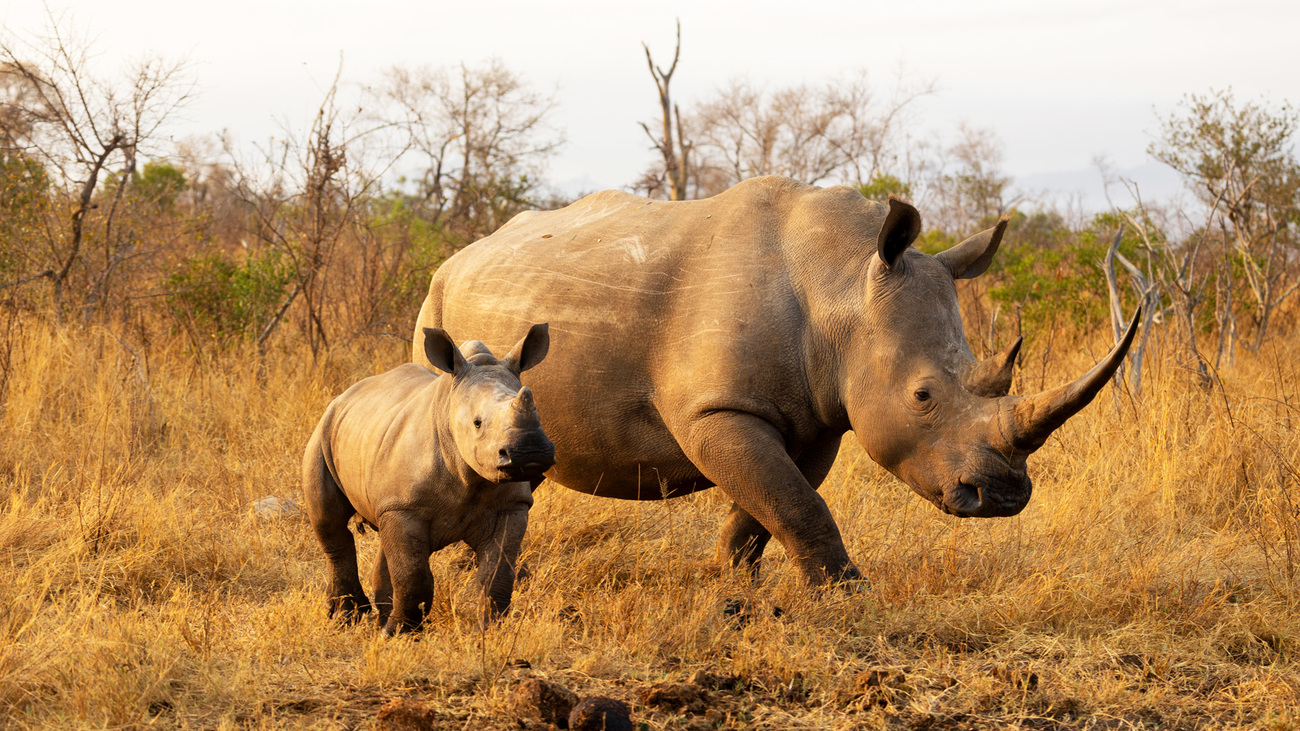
(215, 299)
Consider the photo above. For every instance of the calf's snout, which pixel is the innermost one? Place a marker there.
(530, 456)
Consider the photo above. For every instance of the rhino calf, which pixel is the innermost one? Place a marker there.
(429, 460)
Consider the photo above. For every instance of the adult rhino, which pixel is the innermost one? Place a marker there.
(732, 341)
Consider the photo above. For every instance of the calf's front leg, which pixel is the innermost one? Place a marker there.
(405, 545)
(498, 559)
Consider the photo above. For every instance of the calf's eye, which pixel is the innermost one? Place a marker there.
(478, 423)
(922, 394)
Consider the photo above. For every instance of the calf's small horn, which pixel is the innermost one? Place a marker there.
(1036, 417)
(524, 399)
(525, 409)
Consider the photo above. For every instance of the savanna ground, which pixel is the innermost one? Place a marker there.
(1151, 582)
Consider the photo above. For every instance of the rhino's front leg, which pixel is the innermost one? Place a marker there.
(498, 559)
(742, 538)
(745, 456)
(404, 542)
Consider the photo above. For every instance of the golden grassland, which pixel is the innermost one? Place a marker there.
(1151, 582)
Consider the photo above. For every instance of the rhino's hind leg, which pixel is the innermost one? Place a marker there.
(745, 456)
(404, 540)
(328, 510)
(742, 539)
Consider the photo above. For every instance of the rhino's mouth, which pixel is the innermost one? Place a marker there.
(971, 499)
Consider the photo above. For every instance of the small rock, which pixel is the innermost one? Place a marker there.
(403, 715)
(275, 507)
(599, 713)
(545, 701)
(674, 696)
(710, 681)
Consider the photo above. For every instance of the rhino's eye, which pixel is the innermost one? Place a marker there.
(922, 395)
(478, 423)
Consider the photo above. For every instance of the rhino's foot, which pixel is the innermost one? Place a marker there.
(348, 608)
(395, 626)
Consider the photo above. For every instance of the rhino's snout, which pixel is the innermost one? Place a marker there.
(528, 458)
(973, 499)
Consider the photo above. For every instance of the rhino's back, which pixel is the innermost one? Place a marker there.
(654, 307)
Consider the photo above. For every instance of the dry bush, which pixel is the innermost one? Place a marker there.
(1151, 581)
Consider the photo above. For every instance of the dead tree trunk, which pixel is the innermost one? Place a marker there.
(676, 156)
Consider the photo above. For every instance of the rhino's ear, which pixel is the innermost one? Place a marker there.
(902, 226)
(532, 349)
(971, 257)
(442, 351)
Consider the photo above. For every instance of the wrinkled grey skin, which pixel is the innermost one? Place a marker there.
(429, 460)
(732, 341)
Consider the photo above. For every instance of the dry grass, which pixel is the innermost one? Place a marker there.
(1151, 582)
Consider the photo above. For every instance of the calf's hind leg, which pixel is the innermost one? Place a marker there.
(382, 583)
(328, 510)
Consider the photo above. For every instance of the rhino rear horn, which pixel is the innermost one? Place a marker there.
(1036, 417)
(902, 226)
(971, 257)
(991, 377)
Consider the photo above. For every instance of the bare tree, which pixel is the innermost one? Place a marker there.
(306, 202)
(971, 188)
(79, 127)
(1241, 161)
(482, 138)
(841, 131)
(673, 147)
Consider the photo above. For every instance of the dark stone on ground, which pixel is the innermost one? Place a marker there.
(538, 699)
(404, 715)
(710, 681)
(599, 713)
(674, 696)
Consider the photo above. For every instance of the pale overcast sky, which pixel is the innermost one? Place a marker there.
(1060, 82)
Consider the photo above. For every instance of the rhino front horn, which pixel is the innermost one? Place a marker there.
(1036, 417)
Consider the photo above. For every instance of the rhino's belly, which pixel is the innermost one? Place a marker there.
(654, 472)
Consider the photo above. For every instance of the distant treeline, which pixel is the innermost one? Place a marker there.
(330, 233)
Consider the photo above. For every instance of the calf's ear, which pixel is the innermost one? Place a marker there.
(442, 352)
(532, 349)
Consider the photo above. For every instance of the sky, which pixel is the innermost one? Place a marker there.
(1060, 82)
